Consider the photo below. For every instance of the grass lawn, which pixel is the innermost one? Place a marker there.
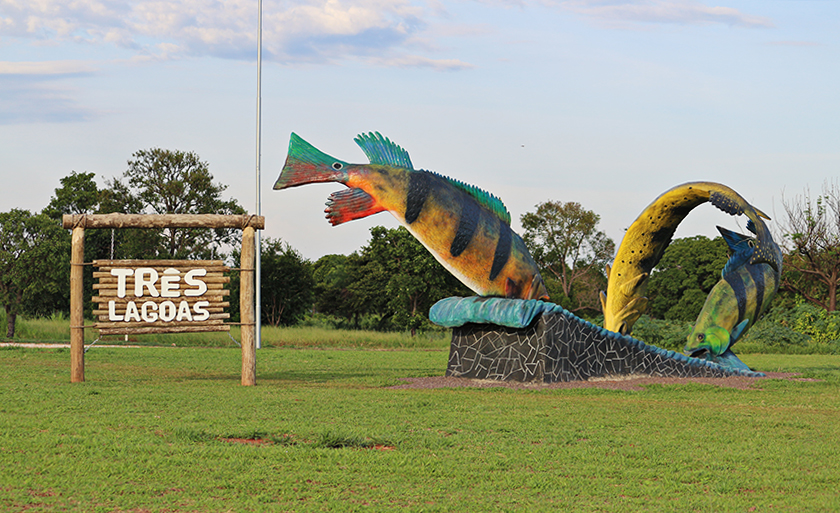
(149, 431)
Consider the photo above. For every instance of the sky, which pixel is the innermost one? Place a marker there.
(605, 102)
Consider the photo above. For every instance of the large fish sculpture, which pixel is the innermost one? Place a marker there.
(646, 239)
(738, 299)
(466, 229)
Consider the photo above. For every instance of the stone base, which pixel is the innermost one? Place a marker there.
(558, 347)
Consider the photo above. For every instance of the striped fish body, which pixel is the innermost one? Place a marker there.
(466, 230)
(736, 301)
(645, 241)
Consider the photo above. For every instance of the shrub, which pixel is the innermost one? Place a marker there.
(667, 334)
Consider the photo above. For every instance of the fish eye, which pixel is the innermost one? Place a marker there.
(701, 337)
(337, 165)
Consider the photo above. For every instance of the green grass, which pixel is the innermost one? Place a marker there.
(149, 431)
(57, 330)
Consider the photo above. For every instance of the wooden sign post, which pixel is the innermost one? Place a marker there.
(161, 296)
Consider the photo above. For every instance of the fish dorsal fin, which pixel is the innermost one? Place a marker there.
(380, 150)
(739, 244)
(484, 198)
(736, 241)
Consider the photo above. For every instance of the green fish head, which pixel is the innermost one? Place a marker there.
(307, 164)
(712, 339)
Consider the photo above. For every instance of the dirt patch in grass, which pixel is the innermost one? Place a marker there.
(633, 382)
(247, 441)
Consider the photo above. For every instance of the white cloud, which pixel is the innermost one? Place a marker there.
(31, 92)
(684, 12)
(46, 68)
(297, 30)
(414, 61)
(381, 32)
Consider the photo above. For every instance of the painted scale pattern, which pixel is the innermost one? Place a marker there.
(466, 229)
(738, 300)
(646, 239)
(559, 346)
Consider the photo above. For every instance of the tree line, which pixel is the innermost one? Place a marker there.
(391, 282)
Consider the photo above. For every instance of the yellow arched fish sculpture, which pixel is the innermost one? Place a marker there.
(649, 235)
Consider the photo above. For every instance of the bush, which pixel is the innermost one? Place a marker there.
(769, 337)
(667, 334)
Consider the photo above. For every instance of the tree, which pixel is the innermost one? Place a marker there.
(78, 194)
(684, 277)
(334, 277)
(393, 278)
(564, 240)
(31, 249)
(287, 288)
(811, 241)
(171, 182)
(287, 285)
(401, 277)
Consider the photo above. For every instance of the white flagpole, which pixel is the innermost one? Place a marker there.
(257, 267)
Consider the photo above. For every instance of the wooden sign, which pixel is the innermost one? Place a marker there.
(160, 296)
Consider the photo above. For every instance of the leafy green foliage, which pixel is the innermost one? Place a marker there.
(393, 279)
(78, 194)
(667, 334)
(683, 278)
(287, 284)
(171, 182)
(333, 275)
(772, 338)
(32, 247)
(401, 276)
(801, 324)
(564, 240)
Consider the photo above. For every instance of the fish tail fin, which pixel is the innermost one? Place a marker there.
(766, 251)
(537, 288)
(306, 164)
(762, 214)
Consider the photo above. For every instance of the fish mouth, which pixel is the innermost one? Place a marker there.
(537, 289)
(697, 352)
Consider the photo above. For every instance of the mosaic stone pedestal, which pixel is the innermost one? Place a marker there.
(557, 347)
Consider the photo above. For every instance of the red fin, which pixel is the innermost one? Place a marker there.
(349, 204)
(512, 289)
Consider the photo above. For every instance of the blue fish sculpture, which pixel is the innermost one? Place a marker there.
(738, 299)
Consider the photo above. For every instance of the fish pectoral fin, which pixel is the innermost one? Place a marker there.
(737, 331)
(627, 317)
(350, 204)
(512, 289)
(603, 296)
(635, 284)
